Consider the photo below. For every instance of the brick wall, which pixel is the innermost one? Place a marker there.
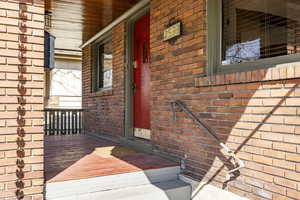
(105, 108)
(21, 99)
(257, 116)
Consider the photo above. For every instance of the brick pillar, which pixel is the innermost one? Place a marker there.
(21, 99)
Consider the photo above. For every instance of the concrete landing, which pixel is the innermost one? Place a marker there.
(171, 190)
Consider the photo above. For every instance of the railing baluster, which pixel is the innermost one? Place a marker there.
(80, 122)
(68, 122)
(61, 123)
(65, 122)
(76, 122)
(52, 123)
(58, 130)
(73, 122)
(46, 121)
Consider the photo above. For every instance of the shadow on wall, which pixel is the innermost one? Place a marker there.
(21, 110)
(256, 128)
(240, 114)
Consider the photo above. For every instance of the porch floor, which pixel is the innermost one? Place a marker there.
(73, 157)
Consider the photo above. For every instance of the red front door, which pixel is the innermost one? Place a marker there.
(142, 75)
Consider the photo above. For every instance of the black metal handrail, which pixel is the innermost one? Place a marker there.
(63, 121)
(178, 106)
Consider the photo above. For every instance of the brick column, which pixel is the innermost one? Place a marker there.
(21, 99)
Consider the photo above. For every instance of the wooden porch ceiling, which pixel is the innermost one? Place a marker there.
(75, 21)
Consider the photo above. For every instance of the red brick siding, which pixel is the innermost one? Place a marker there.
(260, 120)
(21, 99)
(104, 111)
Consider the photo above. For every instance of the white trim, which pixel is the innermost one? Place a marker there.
(142, 133)
(127, 14)
(68, 52)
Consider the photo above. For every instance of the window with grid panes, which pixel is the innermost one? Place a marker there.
(253, 33)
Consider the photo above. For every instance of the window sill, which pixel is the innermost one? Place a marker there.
(278, 72)
(103, 92)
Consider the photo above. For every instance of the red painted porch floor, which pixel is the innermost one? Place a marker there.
(73, 157)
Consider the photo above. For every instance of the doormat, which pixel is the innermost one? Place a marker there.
(114, 151)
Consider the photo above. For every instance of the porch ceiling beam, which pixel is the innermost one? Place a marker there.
(124, 16)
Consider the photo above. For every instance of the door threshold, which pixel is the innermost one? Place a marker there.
(142, 133)
(134, 142)
(140, 144)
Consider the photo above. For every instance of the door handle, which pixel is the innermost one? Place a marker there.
(135, 64)
(134, 87)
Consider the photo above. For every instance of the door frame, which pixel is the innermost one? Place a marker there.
(129, 104)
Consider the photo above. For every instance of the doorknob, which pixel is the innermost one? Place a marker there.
(135, 65)
(133, 87)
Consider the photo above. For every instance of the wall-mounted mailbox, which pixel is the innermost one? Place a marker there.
(49, 51)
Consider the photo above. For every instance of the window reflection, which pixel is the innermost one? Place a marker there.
(257, 29)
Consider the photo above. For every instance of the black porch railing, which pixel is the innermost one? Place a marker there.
(63, 121)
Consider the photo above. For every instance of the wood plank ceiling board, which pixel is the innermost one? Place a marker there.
(75, 21)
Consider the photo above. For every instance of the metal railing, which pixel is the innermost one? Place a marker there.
(178, 106)
(63, 121)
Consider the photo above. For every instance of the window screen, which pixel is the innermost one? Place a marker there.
(105, 65)
(257, 29)
(102, 65)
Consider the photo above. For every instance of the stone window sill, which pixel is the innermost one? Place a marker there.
(278, 72)
(103, 92)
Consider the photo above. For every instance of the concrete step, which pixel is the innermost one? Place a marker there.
(169, 190)
(79, 187)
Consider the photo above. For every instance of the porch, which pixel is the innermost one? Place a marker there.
(66, 155)
(85, 166)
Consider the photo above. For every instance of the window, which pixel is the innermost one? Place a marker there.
(102, 65)
(252, 33)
